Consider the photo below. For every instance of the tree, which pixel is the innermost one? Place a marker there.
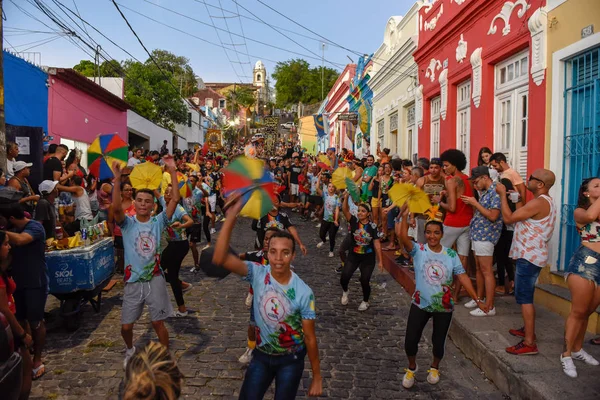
(110, 68)
(239, 97)
(297, 82)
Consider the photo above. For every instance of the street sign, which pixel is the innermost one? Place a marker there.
(352, 117)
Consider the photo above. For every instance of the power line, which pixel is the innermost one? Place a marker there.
(230, 35)
(243, 34)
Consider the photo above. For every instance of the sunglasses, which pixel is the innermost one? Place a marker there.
(533, 178)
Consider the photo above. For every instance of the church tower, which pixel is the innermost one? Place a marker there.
(260, 74)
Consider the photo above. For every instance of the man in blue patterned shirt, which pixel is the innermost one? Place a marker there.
(486, 228)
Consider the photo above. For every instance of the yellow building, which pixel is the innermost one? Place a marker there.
(572, 56)
(307, 132)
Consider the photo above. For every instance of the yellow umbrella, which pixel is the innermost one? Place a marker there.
(338, 178)
(193, 167)
(325, 160)
(418, 201)
(146, 176)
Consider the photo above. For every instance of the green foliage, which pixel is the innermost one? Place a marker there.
(297, 82)
(239, 97)
(107, 69)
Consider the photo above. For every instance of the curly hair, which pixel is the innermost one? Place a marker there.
(455, 157)
(152, 374)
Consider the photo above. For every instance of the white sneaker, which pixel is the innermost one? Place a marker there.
(331, 255)
(128, 354)
(249, 300)
(246, 357)
(568, 366)
(363, 306)
(213, 231)
(471, 304)
(344, 298)
(409, 378)
(318, 226)
(478, 312)
(320, 244)
(583, 355)
(180, 314)
(206, 246)
(193, 269)
(434, 376)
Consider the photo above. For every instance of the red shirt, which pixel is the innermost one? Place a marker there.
(464, 212)
(10, 289)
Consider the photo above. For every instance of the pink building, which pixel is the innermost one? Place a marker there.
(339, 131)
(79, 110)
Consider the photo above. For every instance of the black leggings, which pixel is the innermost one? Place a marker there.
(417, 319)
(205, 224)
(331, 228)
(503, 261)
(366, 263)
(172, 257)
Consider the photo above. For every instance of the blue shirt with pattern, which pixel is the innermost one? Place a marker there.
(482, 229)
(279, 310)
(175, 234)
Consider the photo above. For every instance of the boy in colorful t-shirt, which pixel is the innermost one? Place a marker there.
(144, 280)
(284, 308)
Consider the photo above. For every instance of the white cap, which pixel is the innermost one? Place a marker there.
(19, 165)
(47, 187)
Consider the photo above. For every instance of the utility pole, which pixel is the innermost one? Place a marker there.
(2, 121)
(323, 72)
(97, 60)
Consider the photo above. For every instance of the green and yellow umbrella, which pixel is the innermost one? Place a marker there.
(105, 150)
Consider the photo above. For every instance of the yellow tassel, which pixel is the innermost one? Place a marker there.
(252, 344)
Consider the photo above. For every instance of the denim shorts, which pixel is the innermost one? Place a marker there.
(585, 263)
(526, 275)
(391, 216)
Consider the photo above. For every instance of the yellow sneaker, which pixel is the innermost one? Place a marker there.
(433, 376)
(409, 378)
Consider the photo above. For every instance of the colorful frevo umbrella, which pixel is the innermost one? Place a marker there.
(184, 186)
(353, 189)
(418, 200)
(338, 178)
(146, 176)
(324, 162)
(105, 150)
(249, 178)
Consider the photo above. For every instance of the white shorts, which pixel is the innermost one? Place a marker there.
(483, 248)
(460, 236)
(212, 202)
(294, 189)
(154, 294)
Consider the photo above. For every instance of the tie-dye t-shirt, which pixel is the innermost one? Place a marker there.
(175, 234)
(434, 274)
(363, 236)
(141, 243)
(330, 203)
(279, 310)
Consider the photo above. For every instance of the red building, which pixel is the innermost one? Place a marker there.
(478, 85)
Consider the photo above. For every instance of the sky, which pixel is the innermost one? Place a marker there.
(356, 25)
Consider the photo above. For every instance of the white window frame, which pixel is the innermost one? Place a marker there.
(381, 131)
(412, 140)
(393, 142)
(208, 102)
(463, 119)
(434, 133)
(519, 64)
(509, 141)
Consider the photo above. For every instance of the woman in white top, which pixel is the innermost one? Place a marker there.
(83, 208)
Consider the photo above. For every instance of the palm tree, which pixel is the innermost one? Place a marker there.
(239, 97)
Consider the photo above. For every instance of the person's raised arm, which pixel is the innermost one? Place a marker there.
(527, 211)
(491, 214)
(522, 192)
(408, 244)
(346, 208)
(310, 340)
(118, 213)
(222, 256)
(584, 217)
(450, 203)
(175, 196)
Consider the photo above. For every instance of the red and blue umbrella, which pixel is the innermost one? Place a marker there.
(105, 150)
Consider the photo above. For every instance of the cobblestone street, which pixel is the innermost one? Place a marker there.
(362, 353)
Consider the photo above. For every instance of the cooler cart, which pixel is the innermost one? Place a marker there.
(77, 276)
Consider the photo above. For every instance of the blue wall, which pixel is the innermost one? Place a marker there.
(25, 93)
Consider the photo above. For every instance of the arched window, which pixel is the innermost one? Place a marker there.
(258, 77)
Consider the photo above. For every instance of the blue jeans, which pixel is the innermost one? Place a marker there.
(526, 275)
(287, 371)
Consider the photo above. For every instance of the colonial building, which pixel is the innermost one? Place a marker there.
(337, 104)
(394, 82)
(481, 70)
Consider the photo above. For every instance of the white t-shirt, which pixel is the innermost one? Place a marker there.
(133, 162)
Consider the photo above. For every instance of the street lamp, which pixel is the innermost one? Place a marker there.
(246, 127)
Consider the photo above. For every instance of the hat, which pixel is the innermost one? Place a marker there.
(47, 187)
(477, 172)
(19, 165)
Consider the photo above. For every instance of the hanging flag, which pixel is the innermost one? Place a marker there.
(319, 125)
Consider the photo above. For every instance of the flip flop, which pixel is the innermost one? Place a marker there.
(39, 372)
(595, 341)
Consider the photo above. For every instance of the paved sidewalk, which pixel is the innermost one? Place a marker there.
(362, 353)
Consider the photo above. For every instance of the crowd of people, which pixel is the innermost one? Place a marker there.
(479, 218)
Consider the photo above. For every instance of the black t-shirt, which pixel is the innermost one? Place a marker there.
(45, 213)
(295, 171)
(29, 261)
(281, 221)
(257, 257)
(51, 165)
(363, 236)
